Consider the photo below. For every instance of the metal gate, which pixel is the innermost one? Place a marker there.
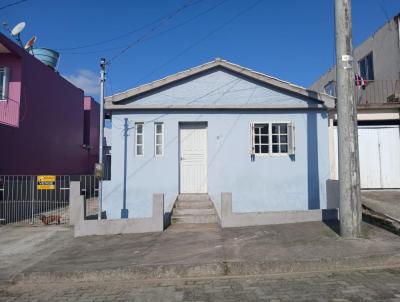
(34, 200)
(89, 186)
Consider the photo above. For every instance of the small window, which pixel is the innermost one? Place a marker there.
(366, 65)
(4, 81)
(330, 88)
(139, 143)
(261, 138)
(280, 138)
(159, 139)
(272, 138)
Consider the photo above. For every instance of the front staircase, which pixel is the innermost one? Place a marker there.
(193, 208)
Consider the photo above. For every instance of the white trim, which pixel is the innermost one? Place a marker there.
(136, 135)
(162, 139)
(6, 83)
(270, 153)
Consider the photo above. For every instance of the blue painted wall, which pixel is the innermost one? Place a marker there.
(269, 183)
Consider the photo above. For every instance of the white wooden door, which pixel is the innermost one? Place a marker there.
(379, 148)
(370, 167)
(193, 158)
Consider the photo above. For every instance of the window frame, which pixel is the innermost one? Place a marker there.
(367, 67)
(136, 140)
(162, 139)
(333, 84)
(5, 89)
(290, 136)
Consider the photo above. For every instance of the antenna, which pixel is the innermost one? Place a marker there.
(18, 29)
(6, 27)
(30, 43)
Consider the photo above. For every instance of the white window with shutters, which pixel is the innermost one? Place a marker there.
(139, 140)
(159, 139)
(272, 138)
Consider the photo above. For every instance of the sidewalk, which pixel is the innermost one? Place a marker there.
(199, 251)
(384, 201)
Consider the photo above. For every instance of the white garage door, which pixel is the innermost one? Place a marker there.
(379, 156)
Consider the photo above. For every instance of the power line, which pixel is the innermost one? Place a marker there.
(158, 20)
(384, 11)
(223, 25)
(156, 35)
(169, 17)
(12, 4)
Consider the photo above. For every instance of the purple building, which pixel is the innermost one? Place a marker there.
(47, 126)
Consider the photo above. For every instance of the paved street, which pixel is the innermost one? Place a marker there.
(367, 285)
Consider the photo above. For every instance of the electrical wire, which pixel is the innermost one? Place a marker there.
(12, 4)
(149, 32)
(183, 7)
(236, 81)
(248, 8)
(155, 35)
(208, 35)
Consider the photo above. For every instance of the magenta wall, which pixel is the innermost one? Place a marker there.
(49, 139)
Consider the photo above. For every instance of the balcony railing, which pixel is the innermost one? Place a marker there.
(379, 92)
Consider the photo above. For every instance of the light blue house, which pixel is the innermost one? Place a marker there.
(218, 128)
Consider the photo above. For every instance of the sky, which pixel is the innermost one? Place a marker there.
(147, 40)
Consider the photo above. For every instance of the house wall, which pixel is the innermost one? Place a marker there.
(49, 136)
(92, 123)
(269, 183)
(385, 45)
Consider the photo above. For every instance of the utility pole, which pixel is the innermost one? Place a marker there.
(349, 170)
(101, 173)
(124, 210)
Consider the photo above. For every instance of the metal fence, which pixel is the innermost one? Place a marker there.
(90, 190)
(26, 199)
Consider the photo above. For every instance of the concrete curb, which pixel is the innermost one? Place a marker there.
(375, 218)
(217, 269)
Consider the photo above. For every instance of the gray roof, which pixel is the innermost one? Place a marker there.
(116, 101)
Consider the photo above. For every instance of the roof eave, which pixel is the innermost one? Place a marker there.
(117, 98)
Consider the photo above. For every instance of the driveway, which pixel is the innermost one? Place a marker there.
(385, 202)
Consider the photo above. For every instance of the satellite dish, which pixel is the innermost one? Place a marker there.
(30, 43)
(18, 28)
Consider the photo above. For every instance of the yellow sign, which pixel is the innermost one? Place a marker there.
(46, 182)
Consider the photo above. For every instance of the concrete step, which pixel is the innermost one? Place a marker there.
(193, 219)
(193, 211)
(194, 204)
(193, 197)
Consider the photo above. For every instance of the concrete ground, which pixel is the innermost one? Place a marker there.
(21, 247)
(343, 286)
(200, 263)
(383, 201)
(208, 250)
